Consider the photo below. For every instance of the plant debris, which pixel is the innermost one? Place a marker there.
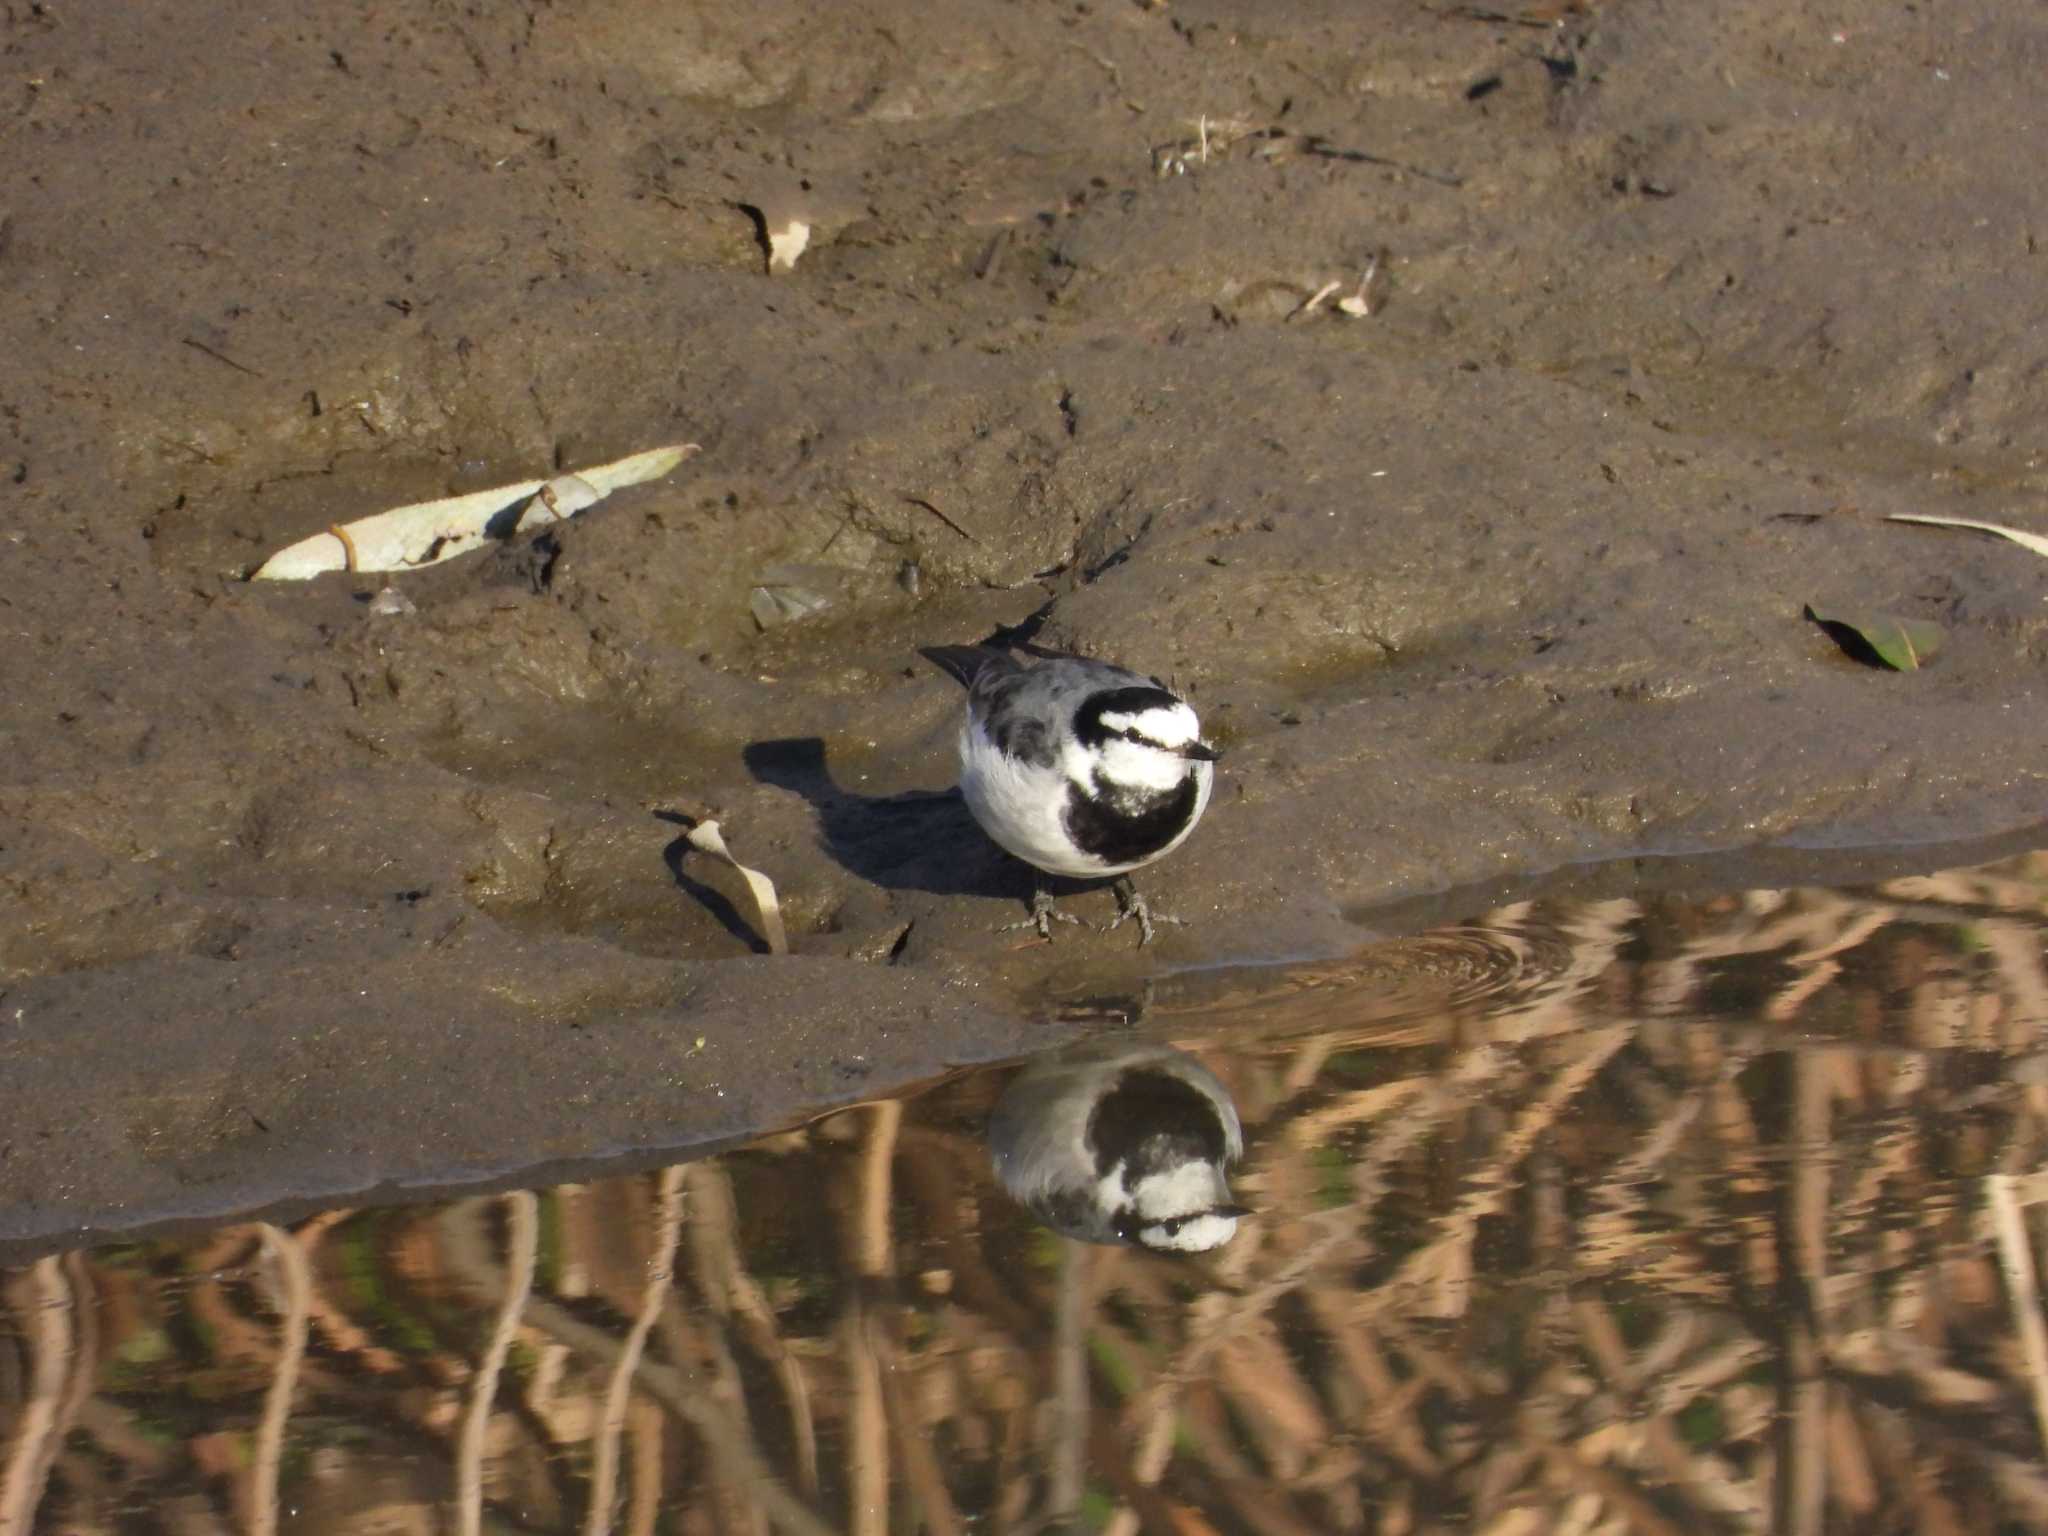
(428, 532)
(705, 837)
(1882, 639)
(2034, 541)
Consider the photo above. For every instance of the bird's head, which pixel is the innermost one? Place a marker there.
(1185, 1208)
(1141, 737)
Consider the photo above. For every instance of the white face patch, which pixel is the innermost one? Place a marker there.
(1166, 1204)
(1146, 759)
(1163, 725)
(1197, 1236)
(1179, 1191)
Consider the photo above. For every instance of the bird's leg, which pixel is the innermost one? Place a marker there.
(1042, 914)
(1130, 904)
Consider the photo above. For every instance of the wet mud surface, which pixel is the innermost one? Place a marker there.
(1670, 306)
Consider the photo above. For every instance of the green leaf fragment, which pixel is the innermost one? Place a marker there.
(1882, 639)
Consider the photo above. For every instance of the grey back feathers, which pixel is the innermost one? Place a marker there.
(1024, 708)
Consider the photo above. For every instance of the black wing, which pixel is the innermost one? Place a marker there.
(965, 663)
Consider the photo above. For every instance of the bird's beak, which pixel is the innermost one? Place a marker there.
(1232, 1211)
(1200, 751)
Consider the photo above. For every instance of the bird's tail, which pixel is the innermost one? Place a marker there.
(964, 663)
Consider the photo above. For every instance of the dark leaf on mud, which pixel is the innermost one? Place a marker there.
(1882, 639)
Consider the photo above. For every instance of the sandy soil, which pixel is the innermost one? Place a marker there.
(1672, 303)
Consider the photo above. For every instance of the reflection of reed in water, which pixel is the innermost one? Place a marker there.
(1119, 1141)
(1718, 1216)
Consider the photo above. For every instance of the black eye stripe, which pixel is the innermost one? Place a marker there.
(1129, 703)
(1128, 1224)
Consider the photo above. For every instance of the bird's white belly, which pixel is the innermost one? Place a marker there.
(1023, 808)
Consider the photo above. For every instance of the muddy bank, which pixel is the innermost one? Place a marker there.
(1669, 308)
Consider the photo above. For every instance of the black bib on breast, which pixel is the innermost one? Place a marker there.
(1120, 828)
(1153, 1120)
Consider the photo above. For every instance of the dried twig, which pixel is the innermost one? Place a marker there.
(295, 1289)
(2016, 1257)
(522, 1211)
(41, 1295)
(661, 1267)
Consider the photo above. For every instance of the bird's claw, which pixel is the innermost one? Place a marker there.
(1129, 904)
(1043, 917)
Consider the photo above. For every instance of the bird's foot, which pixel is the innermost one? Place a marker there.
(1043, 916)
(1129, 904)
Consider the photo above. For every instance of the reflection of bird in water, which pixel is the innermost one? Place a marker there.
(1114, 1141)
(1077, 767)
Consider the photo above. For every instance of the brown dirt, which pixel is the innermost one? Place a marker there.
(1675, 302)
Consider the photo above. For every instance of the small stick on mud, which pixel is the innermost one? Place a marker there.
(220, 357)
(992, 255)
(1327, 151)
(919, 501)
(1313, 302)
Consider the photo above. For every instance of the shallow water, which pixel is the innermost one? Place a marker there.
(1640, 1214)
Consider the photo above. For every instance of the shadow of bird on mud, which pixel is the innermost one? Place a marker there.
(920, 840)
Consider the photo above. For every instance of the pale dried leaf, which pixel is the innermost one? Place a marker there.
(786, 242)
(2034, 541)
(428, 532)
(706, 838)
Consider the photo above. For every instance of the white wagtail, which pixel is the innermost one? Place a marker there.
(1078, 767)
(1116, 1142)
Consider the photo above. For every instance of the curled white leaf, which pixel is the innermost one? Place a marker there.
(706, 838)
(428, 532)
